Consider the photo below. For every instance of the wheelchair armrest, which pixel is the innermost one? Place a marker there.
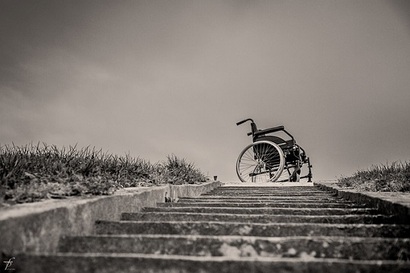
(269, 130)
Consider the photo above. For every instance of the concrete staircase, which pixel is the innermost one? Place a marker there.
(239, 229)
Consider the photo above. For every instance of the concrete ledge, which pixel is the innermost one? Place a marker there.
(37, 227)
(396, 203)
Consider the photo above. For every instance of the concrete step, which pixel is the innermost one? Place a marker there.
(251, 229)
(273, 188)
(354, 248)
(272, 185)
(264, 210)
(266, 190)
(264, 198)
(125, 262)
(265, 201)
(256, 194)
(266, 204)
(260, 218)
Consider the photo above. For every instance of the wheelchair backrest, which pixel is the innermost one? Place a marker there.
(284, 144)
(254, 128)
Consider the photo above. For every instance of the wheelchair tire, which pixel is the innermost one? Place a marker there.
(261, 161)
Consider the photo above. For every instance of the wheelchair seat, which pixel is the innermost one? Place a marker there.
(283, 144)
(267, 131)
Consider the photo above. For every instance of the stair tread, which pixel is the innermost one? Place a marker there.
(262, 224)
(192, 216)
(356, 248)
(264, 210)
(215, 258)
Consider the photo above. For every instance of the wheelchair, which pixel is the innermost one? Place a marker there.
(274, 156)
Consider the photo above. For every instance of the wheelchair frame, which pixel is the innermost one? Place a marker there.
(269, 155)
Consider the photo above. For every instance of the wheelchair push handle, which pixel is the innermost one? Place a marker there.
(253, 126)
(256, 133)
(245, 120)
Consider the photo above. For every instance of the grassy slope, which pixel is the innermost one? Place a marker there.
(388, 178)
(35, 172)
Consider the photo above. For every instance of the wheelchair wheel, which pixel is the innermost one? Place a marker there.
(261, 161)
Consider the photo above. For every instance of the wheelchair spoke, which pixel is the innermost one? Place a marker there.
(261, 161)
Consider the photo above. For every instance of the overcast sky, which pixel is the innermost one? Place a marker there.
(154, 78)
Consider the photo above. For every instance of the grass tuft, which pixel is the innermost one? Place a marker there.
(34, 172)
(393, 177)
